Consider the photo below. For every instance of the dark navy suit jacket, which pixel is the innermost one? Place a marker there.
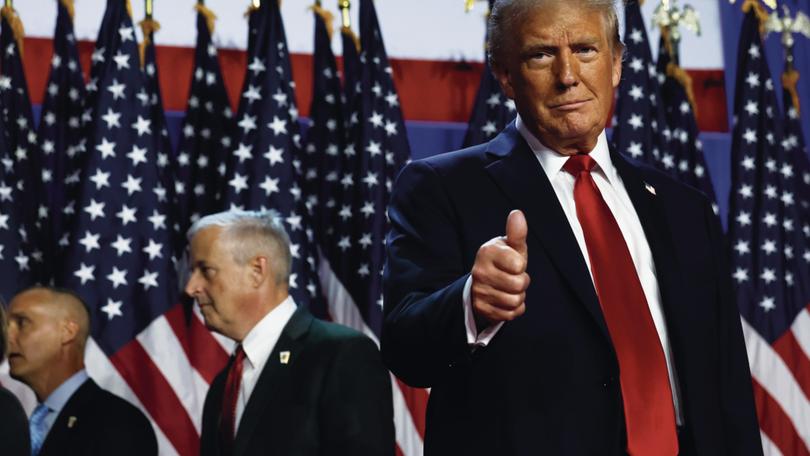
(331, 397)
(95, 422)
(548, 383)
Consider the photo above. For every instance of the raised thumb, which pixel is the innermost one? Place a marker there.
(516, 231)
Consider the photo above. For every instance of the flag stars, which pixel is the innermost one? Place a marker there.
(121, 60)
(274, 155)
(247, 123)
(239, 182)
(153, 249)
(95, 209)
(243, 152)
(157, 220)
(142, 126)
(767, 303)
(743, 218)
(101, 179)
(85, 273)
(118, 277)
(122, 245)
(127, 33)
(148, 280)
(117, 90)
(107, 148)
(742, 247)
(769, 247)
(90, 241)
(269, 185)
(636, 92)
(279, 126)
(132, 184)
(752, 80)
(112, 309)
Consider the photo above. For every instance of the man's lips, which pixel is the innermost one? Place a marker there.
(570, 105)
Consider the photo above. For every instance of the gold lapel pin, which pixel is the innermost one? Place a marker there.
(649, 188)
(284, 357)
(71, 422)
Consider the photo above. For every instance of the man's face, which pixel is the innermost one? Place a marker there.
(217, 282)
(34, 336)
(561, 70)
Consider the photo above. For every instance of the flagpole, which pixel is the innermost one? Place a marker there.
(149, 6)
(344, 10)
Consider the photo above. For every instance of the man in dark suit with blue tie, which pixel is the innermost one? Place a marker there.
(557, 297)
(48, 331)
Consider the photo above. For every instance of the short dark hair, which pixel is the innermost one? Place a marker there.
(507, 14)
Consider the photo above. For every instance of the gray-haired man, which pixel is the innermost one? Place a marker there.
(295, 385)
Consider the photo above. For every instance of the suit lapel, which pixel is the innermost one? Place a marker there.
(275, 383)
(521, 178)
(69, 419)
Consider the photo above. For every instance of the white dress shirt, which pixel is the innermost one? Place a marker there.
(615, 195)
(258, 344)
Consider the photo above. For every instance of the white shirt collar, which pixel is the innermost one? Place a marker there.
(553, 162)
(262, 338)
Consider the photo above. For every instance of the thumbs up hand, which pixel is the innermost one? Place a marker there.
(499, 278)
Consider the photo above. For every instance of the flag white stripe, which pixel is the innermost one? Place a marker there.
(777, 379)
(162, 345)
(344, 311)
(801, 331)
(768, 447)
(107, 376)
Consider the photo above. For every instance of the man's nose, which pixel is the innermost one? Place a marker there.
(191, 285)
(567, 69)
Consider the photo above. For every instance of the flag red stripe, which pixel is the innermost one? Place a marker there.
(416, 399)
(776, 424)
(203, 351)
(796, 360)
(160, 400)
(399, 451)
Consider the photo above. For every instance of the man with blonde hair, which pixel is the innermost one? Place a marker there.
(48, 330)
(556, 296)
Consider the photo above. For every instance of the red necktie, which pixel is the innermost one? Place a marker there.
(648, 410)
(227, 423)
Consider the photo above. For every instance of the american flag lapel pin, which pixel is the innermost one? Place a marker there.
(284, 357)
(649, 188)
(71, 422)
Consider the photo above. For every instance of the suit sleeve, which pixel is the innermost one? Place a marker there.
(358, 417)
(741, 428)
(14, 438)
(424, 278)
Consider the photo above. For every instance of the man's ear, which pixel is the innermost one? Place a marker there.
(69, 330)
(505, 79)
(617, 67)
(259, 270)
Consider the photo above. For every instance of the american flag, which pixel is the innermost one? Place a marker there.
(770, 251)
(683, 156)
(25, 160)
(14, 256)
(491, 109)
(264, 166)
(326, 138)
(794, 137)
(143, 347)
(639, 126)
(206, 134)
(351, 65)
(151, 97)
(61, 138)
(377, 148)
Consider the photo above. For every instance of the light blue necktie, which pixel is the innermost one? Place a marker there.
(36, 426)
